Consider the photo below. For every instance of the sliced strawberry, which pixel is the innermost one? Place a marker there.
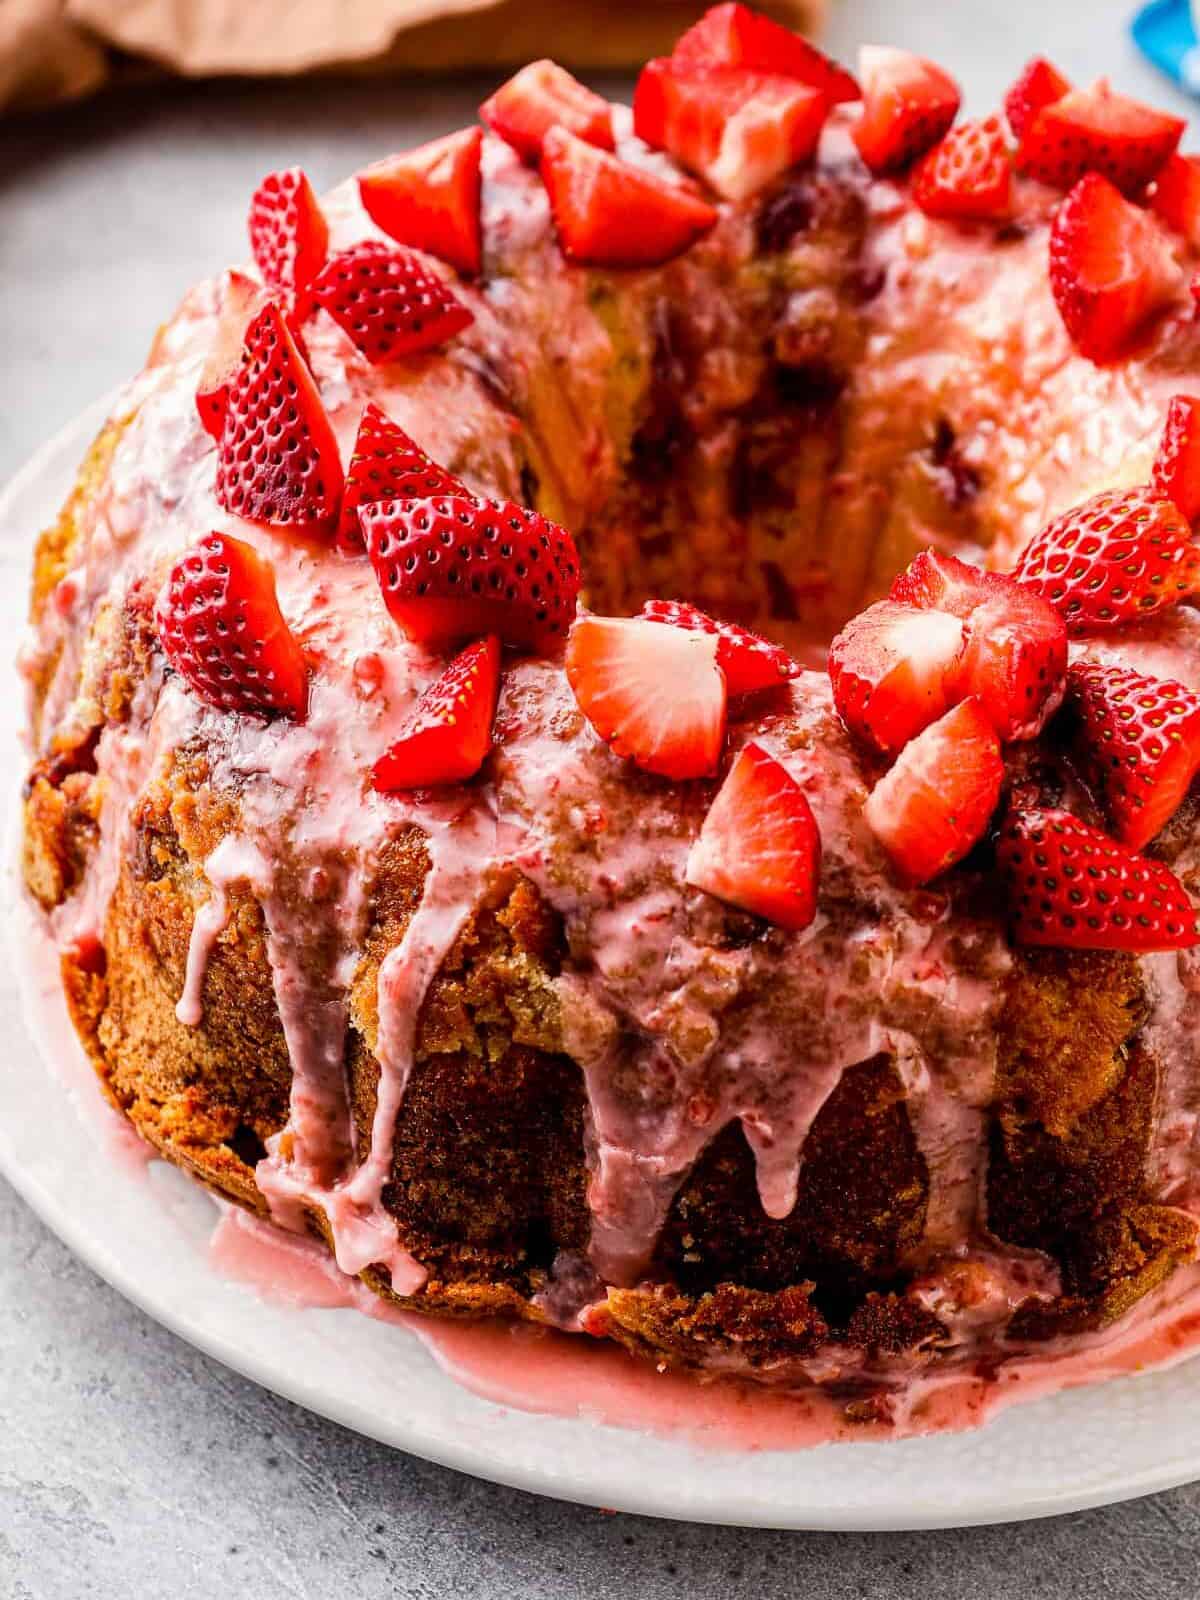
(241, 299)
(759, 847)
(542, 96)
(448, 733)
(737, 129)
(429, 198)
(655, 694)
(891, 669)
(610, 214)
(1071, 886)
(735, 36)
(288, 233)
(387, 465)
(1098, 130)
(1176, 197)
(1039, 86)
(748, 662)
(389, 303)
(1177, 465)
(221, 627)
(908, 105)
(1119, 557)
(1111, 268)
(968, 176)
(454, 565)
(278, 459)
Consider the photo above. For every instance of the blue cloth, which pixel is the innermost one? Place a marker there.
(1166, 35)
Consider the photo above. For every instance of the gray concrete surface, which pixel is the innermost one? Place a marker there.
(130, 1464)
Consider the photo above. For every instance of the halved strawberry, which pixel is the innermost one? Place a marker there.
(1098, 130)
(386, 465)
(749, 662)
(759, 847)
(733, 35)
(1117, 558)
(454, 565)
(908, 105)
(221, 627)
(288, 233)
(1111, 268)
(448, 733)
(278, 459)
(1071, 886)
(1176, 197)
(737, 129)
(968, 176)
(241, 299)
(655, 694)
(1039, 86)
(891, 668)
(542, 96)
(389, 303)
(1177, 465)
(934, 805)
(610, 214)
(429, 198)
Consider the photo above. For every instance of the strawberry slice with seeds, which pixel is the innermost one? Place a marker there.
(908, 105)
(749, 662)
(935, 804)
(288, 234)
(1071, 886)
(454, 565)
(891, 668)
(1177, 465)
(278, 459)
(388, 302)
(1176, 197)
(968, 176)
(387, 465)
(609, 214)
(1111, 268)
(1117, 558)
(759, 847)
(222, 629)
(1098, 130)
(655, 694)
(1039, 86)
(1141, 740)
(448, 733)
(428, 198)
(241, 299)
(733, 35)
(542, 96)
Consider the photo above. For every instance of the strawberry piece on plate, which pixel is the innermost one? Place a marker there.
(749, 662)
(1176, 197)
(655, 694)
(1071, 886)
(429, 198)
(288, 233)
(1098, 130)
(934, 805)
(542, 96)
(610, 214)
(733, 35)
(454, 566)
(387, 465)
(448, 733)
(1111, 268)
(1177, 465)
(759, 847)
(278, 459)
(222, 630)
(968, 176)
(241, 299)
(1117, 558)
(891, 668)
(389, 302)
(1039, 86)
(908, 105)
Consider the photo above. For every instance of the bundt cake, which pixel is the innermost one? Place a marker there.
(433, 871)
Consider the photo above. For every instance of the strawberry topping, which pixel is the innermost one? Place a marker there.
(891, 668)
(388, 301)
(288, 233)
(735, 36)
(1177, 465)
(1176, 197)
(749, 662)
(1039, 86)
(542, 96)
(448, 733)
(1098, 130)
(908, 105)
(241, 299)
(387, 465)
(968, 176)
(429, 198)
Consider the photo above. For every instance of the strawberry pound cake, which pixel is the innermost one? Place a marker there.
(463, 842)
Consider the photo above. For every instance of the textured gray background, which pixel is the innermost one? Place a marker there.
(130, 1464)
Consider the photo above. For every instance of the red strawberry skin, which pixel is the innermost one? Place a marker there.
(542, 96)
(386, 465)
(388, 302)
(968, 176)
(288, 232)
(891, 669)
(1039, 86)
(428, 198)
(908, 105)
(1072, 887)
(278, 460)
(749, 663)
(1176, 197)
(453, 566)
(1098, 130)
(241, 299)
(449, 732)
(1176, 472)
(221, 627)
(759, 847)
(733, 35)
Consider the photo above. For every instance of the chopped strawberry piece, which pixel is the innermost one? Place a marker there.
(735, 36)
(222, 630)
(448, 733)
(542, 96)
(737, 129)
(1071, 886)
(1111, 268)
(908, 105)
(891, 670)
(1117, 558)
(1176, 197)
(934, 805)
(968, 176)
(278, 459)
(453, 565)
(655, 694)
(288, 233)
(609, 214)
(748, 662)
(241, 299)
(388, 302)
(1098, 130)
(1039, 86)
(429, 198)
(1177, 465)
(387, 465)
(759, 847)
